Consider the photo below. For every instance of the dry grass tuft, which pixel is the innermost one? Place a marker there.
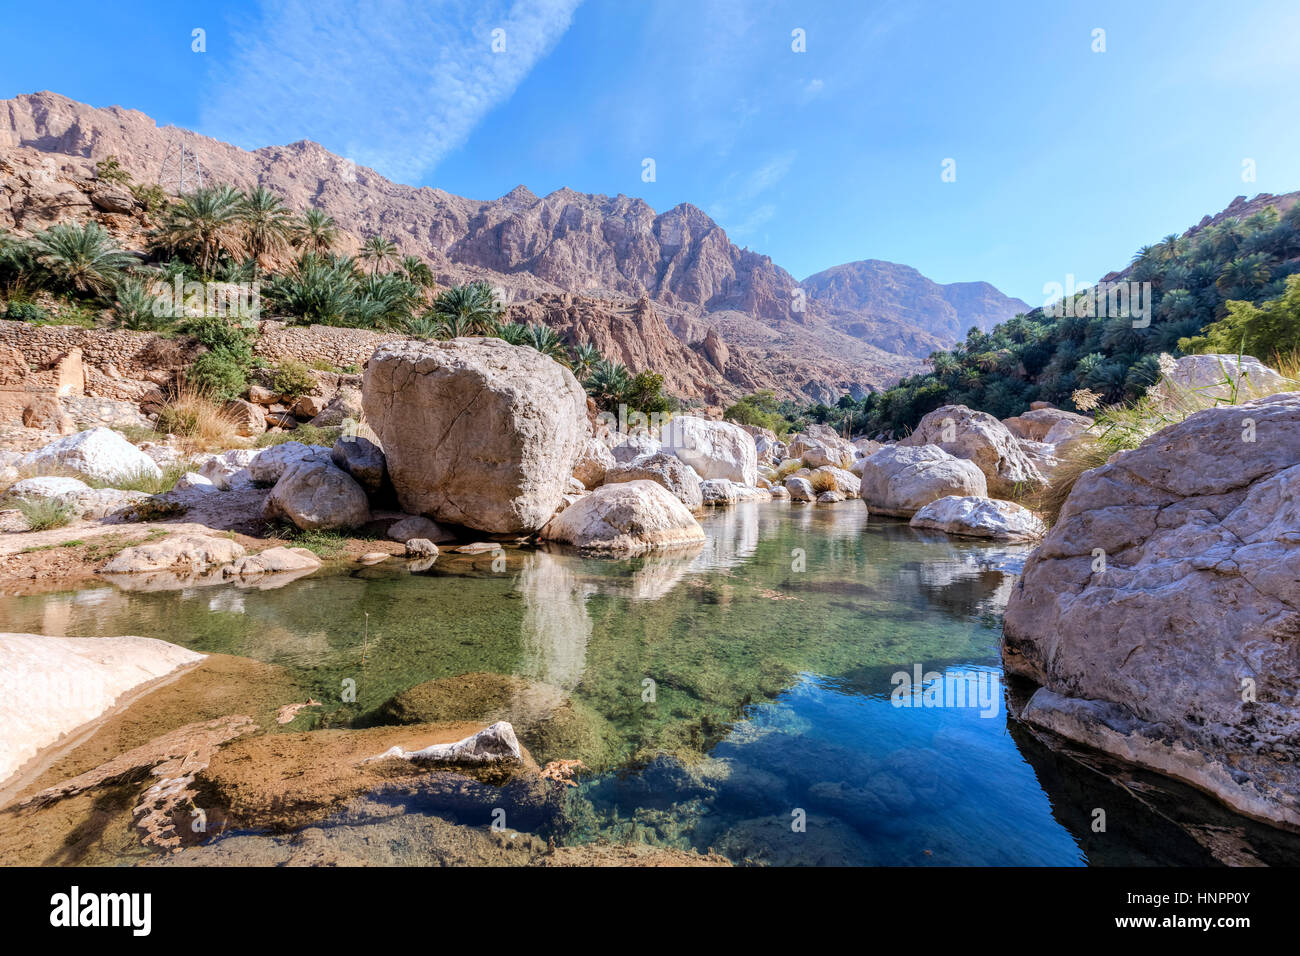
(201, 423)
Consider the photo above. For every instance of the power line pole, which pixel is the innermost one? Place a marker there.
(180, 167)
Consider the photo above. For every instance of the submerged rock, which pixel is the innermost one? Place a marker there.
(490, 745)
(1159, 616)
(477, 432)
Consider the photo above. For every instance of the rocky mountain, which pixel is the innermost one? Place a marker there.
(901, 310)
(588, 264)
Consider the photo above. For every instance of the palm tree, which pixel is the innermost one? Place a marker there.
(417, 271)
(83, 258)
(316, 231)
(585, 357)
(547, 341)
(450, 326)
(474, 305)
(513, 332)
(377, 251)
(609, 383)
(205, 225)
(270, 225)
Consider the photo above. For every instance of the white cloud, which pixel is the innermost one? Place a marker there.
(395, 85)
(735, 211)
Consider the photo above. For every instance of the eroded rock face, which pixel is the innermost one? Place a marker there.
(477, 432)
(903, 479)
(667, 470)
(98, 453)
(627, 517)
(1208, 376)
(979, 518)
(229, 470)
(713, 449)
(982, 439)
(316, 496)
(1179, 652)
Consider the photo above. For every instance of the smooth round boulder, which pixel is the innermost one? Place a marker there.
(316, 496)
(664, 469)
(100, 454)
(979, 518)
(477, 432)
(628, 517)
(902, 479)
(713, 449)
(982, 439)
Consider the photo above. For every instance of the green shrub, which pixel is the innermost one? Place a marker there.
(219, 375)
(293, 379)
(25, 312)
(307, 434)
(43, 514)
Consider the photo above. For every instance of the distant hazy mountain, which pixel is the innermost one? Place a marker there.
(888, 304)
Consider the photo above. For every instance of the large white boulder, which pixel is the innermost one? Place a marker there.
(1160, 615)
(477, 432)
(979, 518)
(1214, 376)
(982, 439)
(51, 486)
(903, 479)
(627, 517)
(713, 449)
(594, 460)
(316, 496)
(100, 454)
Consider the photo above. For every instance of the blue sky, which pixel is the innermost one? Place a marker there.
(1067, 160)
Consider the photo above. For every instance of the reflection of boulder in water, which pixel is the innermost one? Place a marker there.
(971, 581)
(732, 536)
(1150, 819)
(556, 625)
(550, 724)
(647, 578)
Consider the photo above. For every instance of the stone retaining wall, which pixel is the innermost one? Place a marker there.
(340, 347)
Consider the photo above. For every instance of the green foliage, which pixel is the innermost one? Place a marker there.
(110, 171)
(293, 379)
(1209, 292)
(470, 309)
(308, 434)
(760, 409)
(1266, 331)
(42, 514)
(645, 394)
(218, 375)
(316, 232)
(133, 308)
(25, 312)
(204, 227)
(81, 259)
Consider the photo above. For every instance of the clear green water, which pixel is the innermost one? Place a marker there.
(771, 655)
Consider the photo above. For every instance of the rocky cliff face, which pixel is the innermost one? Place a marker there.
(901, 310)
(597, 255)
